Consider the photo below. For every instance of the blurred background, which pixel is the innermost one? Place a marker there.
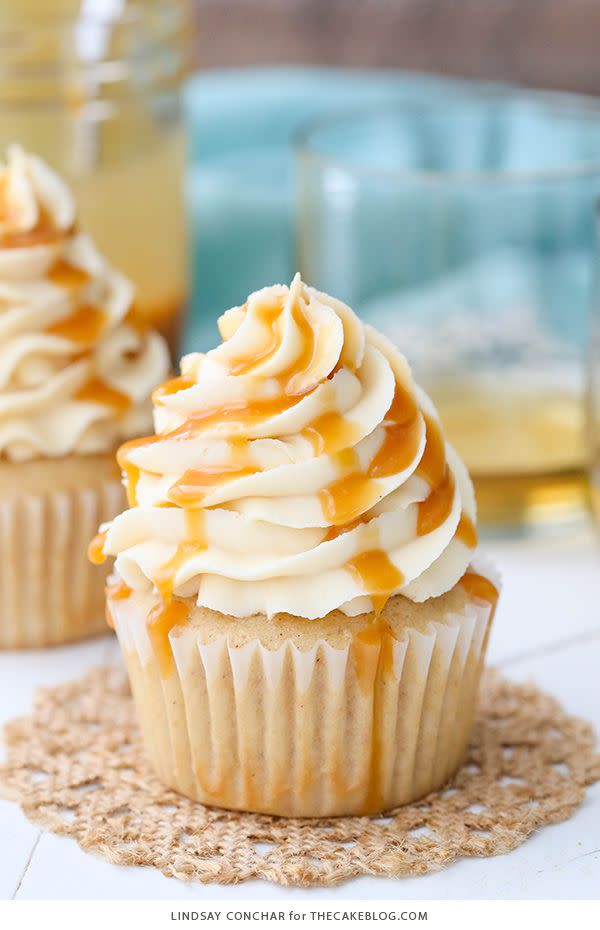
(435, 164)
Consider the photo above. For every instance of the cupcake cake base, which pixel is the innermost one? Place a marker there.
(301, 718)
(49, 510)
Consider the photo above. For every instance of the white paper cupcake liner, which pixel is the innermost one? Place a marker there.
(49, 592)
(326, 731)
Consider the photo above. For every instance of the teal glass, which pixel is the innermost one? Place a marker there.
(464, 228)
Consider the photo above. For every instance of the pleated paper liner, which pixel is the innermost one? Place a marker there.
(77, 767)
(320, 731)
(49, 512)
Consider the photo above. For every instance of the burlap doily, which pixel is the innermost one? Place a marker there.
(76, 767)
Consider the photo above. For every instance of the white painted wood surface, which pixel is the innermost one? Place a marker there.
(547, 629)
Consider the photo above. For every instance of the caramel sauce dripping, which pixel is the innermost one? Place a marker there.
(192, 487)
(99, 392)
(466, 531)
(95, 549)
(432, 466)
(84, 326)
(68, 276)
(436, 507)
(43, 233)
(330, 433)
(301, 365)
(374, 662)
(164, 579)
(131, 471)
(245, 413)
(173, 386)
(117, 591)
(161, 620)
(171, 612)
(480, 587)
(355, 491)
(195, 542)
(347, 498)
(333, 532)
(401, 441)
(378, 575)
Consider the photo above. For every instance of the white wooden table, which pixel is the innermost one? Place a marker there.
(547, 628)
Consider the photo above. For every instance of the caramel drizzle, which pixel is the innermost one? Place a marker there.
(466, 532)
(98, 391)
(269, 318)
(118, 591)
(172, 612)
(95, 550)
(161, 620)
(43, 233)
(68, 276)
(190, 487)
(194, 543)
(346, 501)
(84, 326)
(373, 649)
(173, 386)
(378, 575)
(480, 587)
(356, 491)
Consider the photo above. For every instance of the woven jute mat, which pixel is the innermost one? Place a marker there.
(76, 766)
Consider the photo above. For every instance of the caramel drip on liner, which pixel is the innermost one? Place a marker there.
(162, 619)
(171, 613)
(118, 591)
(373, 650)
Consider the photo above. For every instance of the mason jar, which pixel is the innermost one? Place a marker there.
(93, 87)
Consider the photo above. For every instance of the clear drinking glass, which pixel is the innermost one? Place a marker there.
(93, 87)
(464, 228)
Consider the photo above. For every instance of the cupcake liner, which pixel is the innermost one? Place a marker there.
(49, 592)
(321, 732)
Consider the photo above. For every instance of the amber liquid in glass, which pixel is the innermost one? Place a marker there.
(121, 150)
(524, 449)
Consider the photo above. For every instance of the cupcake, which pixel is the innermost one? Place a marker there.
(75, 381)
(295, 590)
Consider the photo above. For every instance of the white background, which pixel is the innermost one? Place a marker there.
(547, 629)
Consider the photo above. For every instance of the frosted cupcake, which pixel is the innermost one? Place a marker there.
(75, 381)
(295, 592)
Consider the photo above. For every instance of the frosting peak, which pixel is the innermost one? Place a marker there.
(295, 469)
(75, 375)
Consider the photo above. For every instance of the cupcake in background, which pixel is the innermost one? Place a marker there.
(296, 594)
(75, 381)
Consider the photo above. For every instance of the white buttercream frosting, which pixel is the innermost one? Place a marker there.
(75, 375)
(295, 468)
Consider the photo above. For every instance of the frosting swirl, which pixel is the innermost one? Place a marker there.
(75, 375)
(297, 469)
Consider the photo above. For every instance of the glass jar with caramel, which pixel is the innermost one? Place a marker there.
(93, 86)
